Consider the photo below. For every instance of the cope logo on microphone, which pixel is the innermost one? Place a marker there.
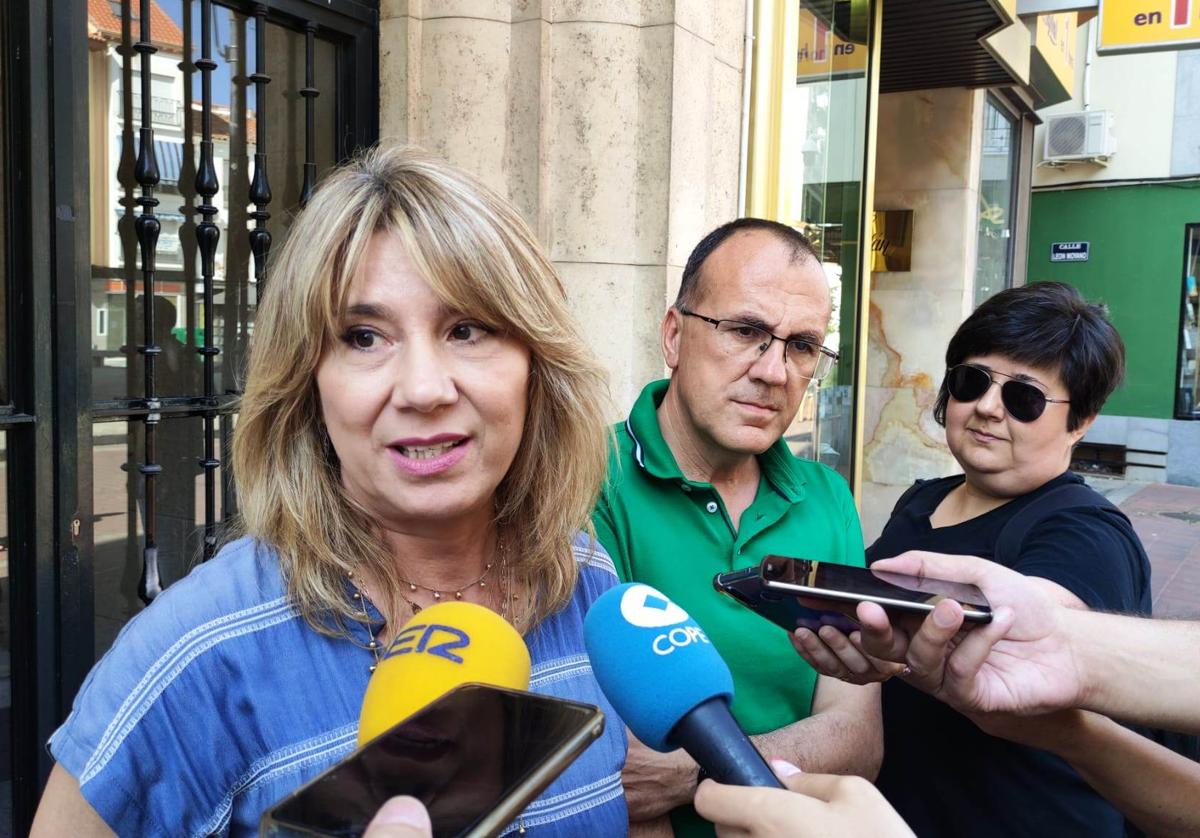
(431, 639)
(644, 607)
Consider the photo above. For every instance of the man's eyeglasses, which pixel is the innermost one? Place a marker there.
(1023, 401)
(743, 340)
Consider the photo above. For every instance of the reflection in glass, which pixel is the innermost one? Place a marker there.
(1187, 402)
(5, 653)
(4, 395)
(993, 266)
(181, 322)
(807, 162)
(119, 506)
(5, 398)
(114, 119)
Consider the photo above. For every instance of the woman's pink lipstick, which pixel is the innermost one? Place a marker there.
(404, 453)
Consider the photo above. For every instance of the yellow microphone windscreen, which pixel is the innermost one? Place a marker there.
(440, 648)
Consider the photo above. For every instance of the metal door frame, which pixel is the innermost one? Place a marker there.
(47, 262)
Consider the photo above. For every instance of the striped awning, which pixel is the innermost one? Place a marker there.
(168, 154)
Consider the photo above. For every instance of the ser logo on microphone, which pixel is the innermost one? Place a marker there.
(431, 639)
(644, 607)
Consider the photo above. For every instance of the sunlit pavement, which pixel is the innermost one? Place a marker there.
(1167, 518)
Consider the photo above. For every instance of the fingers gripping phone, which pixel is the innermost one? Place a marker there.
(476, 758)
(802, 593)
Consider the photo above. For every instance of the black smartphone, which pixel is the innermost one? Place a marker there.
(795, 593)
(476, 758)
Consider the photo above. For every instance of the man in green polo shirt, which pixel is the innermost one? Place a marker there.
(702, 482)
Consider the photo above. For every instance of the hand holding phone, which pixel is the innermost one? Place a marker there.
(803, 593)
(818, 603)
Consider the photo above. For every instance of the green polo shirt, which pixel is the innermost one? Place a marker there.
(674, 534)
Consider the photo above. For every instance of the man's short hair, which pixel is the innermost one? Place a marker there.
(689, 285)
(1048, 325)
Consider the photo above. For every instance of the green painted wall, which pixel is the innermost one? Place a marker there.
(1135, 267)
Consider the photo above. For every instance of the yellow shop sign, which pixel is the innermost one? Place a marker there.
(1144, 25)
(820, 54)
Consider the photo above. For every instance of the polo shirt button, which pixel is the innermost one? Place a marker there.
(711, 506)
(685, 487)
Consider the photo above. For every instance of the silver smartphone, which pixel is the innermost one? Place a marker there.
(476, 758)
(795, 593)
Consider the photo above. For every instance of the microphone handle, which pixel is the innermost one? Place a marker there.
(713, 738)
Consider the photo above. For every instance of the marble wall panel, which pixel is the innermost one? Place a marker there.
(500, 11)
(394, 8)
(691, 106)
(878, 500)
(902, 447)
(627, 12)
(674, 277)
(696, 17)
(928, 162)
(462, 105)
(609, 149)
(943, 245)
(394, 78)
(527, 95)
(613, 125)
(910, 333)
(724, 146)
(729, 32)
(620, 307)
(925, 139)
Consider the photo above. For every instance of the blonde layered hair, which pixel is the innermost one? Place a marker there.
(479, 257)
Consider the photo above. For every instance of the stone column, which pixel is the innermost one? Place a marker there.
(928, 161)
(613, 126)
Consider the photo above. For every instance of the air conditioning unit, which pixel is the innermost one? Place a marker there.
(1086, 135)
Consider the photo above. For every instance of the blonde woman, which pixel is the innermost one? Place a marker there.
(421, 421)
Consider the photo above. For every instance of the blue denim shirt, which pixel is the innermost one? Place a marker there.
(219, 699)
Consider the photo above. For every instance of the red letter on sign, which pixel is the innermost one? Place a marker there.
(1181, 13)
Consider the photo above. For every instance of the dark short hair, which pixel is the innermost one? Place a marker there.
(689, 285)
(1048, 325)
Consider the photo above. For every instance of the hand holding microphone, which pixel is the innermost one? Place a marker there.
(813, 806)
(665, 678)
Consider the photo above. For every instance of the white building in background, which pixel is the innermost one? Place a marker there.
(1117, 181)
(114, 189)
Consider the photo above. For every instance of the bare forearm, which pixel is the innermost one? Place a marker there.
(832, 742)
(1138, 670)
(656, 783)
(1152, 786)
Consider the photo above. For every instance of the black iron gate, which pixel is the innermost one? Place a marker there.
(153, 151)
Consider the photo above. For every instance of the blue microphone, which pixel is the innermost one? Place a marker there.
(667, 681)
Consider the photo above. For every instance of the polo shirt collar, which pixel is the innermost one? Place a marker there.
(651, 452)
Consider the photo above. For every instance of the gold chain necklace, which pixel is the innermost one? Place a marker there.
(360, 595)
(507, 609)
(481, 581)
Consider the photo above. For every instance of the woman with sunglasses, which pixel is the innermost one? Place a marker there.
(1026, 375)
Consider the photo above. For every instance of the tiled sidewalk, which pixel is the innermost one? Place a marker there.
(1168, 520)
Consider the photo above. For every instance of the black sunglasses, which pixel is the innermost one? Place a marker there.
(1023, 401)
